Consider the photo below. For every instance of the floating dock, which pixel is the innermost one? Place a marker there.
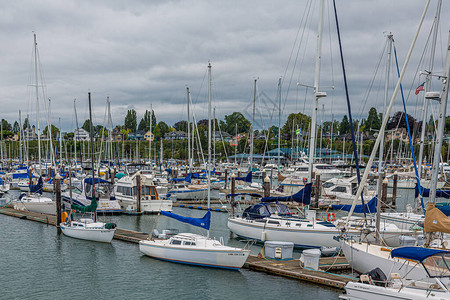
(285, 268)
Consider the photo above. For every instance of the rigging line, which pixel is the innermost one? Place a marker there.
(409, 132)
(355, 150)
(305, 14)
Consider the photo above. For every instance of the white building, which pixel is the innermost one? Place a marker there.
(81, 135)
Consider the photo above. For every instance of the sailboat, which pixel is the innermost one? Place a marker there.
(89, 228)
(195, 249)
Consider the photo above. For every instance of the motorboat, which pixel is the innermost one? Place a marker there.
(88, 229)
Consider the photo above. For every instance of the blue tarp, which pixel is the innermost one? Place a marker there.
(426, 193)
(371, 207)
(37, 188)
(247, 178)
(204, 222)
(97, 180)
(187, 179)
(302, 196)
(416, 253)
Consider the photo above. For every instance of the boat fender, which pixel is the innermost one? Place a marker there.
(331, 217)
(263, 236)
(64, 217)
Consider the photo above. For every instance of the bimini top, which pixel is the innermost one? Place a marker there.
(416, 253)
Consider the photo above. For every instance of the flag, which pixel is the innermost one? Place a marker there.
(298, 131)
(419, 88)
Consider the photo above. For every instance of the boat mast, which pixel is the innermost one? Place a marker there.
(20, 137)
(91, 135)
(252, 130)
(189, 131)
(209, 136)
(150, 136)
(312, 143)
(279, 123)
(37, 103)
(441, 125)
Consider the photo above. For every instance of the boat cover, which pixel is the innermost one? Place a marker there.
(97, 180)
(302, 196)
(247, 178)
(370, 207)
(262, 210)
(426, 193)
(435, 220)
(89, 208)
(37, 188)
(416, 253)
(187, 179)
(204, 222)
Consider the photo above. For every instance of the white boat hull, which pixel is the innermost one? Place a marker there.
(147, 206)
(90, 234)
(48, 208)
(231, 258)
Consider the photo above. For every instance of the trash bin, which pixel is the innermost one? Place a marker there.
(278, 250)
(310, 258)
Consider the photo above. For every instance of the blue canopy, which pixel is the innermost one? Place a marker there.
(204, 222)
(370, 207)
(302, 196)
(426, 193)
(187, 179)
(416, 253)
(247, 178)
(244, 194)
(37, 188)
(97, 180)
(262, 210)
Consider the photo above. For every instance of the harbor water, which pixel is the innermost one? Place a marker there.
(38, 263)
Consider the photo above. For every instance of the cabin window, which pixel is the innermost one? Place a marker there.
(339, 189)
(327, 184)
(273, 222)
(175, 242)
(187, 243)
(134, 191)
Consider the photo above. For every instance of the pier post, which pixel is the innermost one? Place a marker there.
(138, 192)
(58, 201)
(394, 189)
(266, 186)
(233, 190)
(317, 191)
(226, 178)
(114, 175)
(384, 194)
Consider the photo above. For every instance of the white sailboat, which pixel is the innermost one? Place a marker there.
(195, 249)
(89, 228)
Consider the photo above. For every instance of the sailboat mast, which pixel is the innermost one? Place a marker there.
(37, 103)
(91, 135)
(209, 136)
(279, 123)
(20, 137)
(150, 136)
(441, 125)
(312, 143)
(189, 131)
(252, 132)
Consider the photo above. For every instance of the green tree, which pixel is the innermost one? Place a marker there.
(16, 127)
(294, 121)
(144, 124)
(26, 124)
(87, 126)
(161, 129)
(55, 131)
(243, 125)
(6, 125)
(181, 126)
(344, 127)
(131, 120)
(373, 121)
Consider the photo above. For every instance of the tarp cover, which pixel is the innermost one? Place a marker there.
(262, 210)
(370, 207)
(204, 222)
(247, 178)
(415, 253)
(187, 179)
(37, 188)
(302, 196)
(426, 193)
(90, 208)
(435, 220)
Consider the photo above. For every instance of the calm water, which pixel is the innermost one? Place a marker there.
(38, 263)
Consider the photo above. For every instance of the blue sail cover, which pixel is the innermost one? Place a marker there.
(302, 196)
(426, 193)
(247, 178)
(370, 207)
(416, 253)
(37, 188)
(187, 179)
(204, 222)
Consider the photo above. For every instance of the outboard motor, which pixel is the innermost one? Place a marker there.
(377, 276)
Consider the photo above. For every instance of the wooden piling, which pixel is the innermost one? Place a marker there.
(317, 191)
(266, 186)
(58, 200)
(384, 194)
(138, 192)
(394, 189)
(226, 178)
(233, 190)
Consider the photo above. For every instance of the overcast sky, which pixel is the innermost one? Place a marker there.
(147, 52)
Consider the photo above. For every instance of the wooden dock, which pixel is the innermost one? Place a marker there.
(285, 268)
(292, 269)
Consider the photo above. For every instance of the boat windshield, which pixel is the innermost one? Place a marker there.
(437, 265)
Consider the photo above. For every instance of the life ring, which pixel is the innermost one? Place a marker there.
(331, 217)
